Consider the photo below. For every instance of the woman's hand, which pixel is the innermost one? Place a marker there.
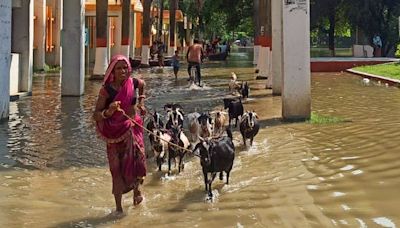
(114, 106)
(142, 109)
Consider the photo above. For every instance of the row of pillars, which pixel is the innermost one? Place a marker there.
(282, 54)
(288, 74)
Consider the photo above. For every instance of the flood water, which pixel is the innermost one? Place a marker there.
(54, 170)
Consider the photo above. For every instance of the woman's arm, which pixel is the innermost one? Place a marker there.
(102, 112)
(142, 96)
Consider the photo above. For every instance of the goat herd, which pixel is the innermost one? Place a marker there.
(207, 135)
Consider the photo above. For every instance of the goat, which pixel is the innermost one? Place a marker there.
(160, 146)
(216, 155)
(175, 115)
(235, 109)
(179, 138)
(244, 90)
(206, 125)
(194, 125)
(219, 121)
(249, 126)
(154, 123)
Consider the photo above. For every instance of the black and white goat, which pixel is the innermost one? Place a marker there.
(160, 146)
(154, 123)
(178, 138)
(175, 115)
(216, 155)
(249, 126)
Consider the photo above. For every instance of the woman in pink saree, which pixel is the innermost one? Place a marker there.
(125, 146)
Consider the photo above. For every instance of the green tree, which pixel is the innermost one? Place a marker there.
(377, 17)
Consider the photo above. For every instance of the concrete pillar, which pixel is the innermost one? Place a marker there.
(256, 19)
(146, 33)
(73, 41)
(52, 57)
(296, 90)
(276, 64)
(126, 27)
(101, 57)
(22, 42)
(117, 35)
(58, 26)
(132, 34)
(265, 40)
(5, 57)
(172, 27)
(39, 40)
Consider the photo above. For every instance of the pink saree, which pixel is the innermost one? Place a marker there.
(125, 146)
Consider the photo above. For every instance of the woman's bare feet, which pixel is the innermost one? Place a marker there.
(137, 197)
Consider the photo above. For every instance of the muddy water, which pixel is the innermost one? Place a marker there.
(54, 171)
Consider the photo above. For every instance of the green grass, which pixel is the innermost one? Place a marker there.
(389, 70)
(320, 119)
(48, 69)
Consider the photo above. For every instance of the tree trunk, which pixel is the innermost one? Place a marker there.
(101, 23)
(101, 61)
(172, 9)
(146, 22)
(160, 20)
(331, 33)
(126, 25)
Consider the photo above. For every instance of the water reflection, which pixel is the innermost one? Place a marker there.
(54, 171)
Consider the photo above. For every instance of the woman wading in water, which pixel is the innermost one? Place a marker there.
(125, 146)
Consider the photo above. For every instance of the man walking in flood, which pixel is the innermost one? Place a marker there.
(194, 57)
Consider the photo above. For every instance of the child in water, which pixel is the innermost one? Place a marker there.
(175, 63)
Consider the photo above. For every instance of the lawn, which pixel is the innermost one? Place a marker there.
(389, 70)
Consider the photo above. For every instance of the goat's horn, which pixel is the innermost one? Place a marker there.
(201, 138)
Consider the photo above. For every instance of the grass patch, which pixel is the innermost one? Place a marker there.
(320, 119)
(48, 69)
(389, 70)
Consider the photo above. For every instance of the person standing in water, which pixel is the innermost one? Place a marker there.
(125, 145)
(194, 57)
(175, 63)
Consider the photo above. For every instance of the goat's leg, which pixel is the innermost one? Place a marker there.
(221, 175)
(251, 141)
(244, 139)
(205, 179)
(227, 176)
(180, 164)
(159, 162)
(169, 165)
(209, 185)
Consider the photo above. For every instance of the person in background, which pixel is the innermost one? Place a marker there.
(124, 138)
(194, 57)
(377, 41)
(175, 63)
(160, 53)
